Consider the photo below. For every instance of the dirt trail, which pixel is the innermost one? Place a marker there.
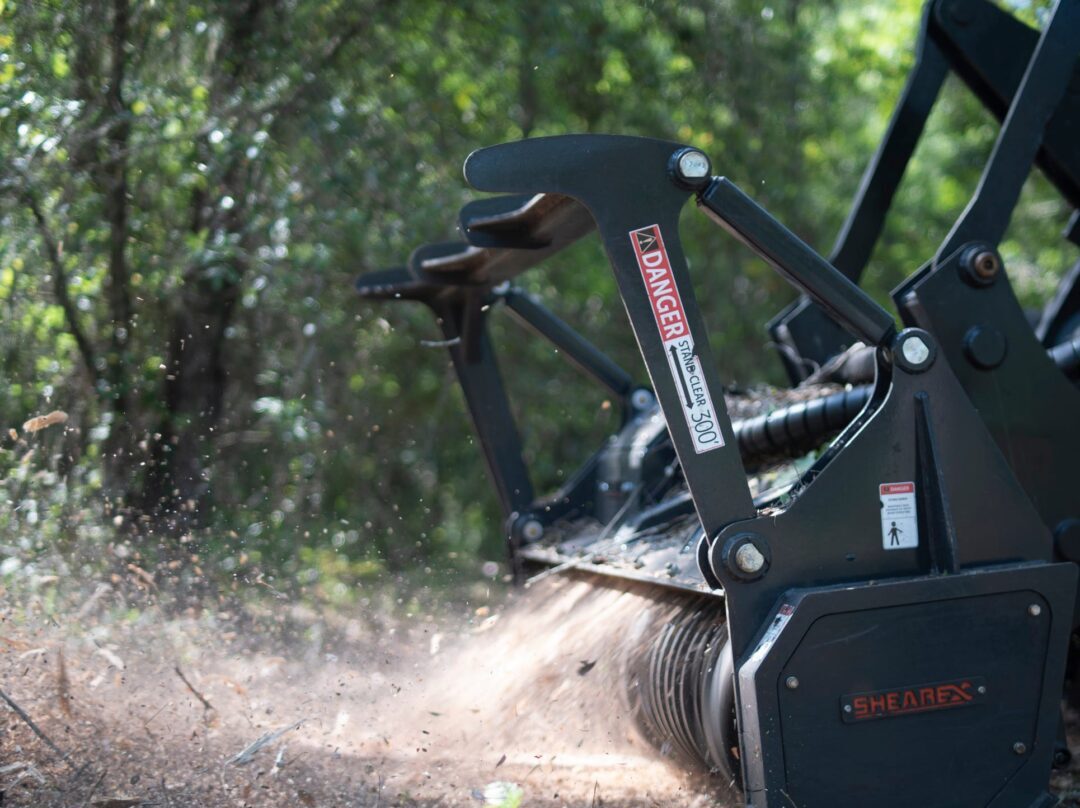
(212, 712)
(415, 715)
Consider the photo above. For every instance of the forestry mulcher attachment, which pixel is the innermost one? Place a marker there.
(891, 628)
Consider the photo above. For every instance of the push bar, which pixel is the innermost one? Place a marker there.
(849, 305)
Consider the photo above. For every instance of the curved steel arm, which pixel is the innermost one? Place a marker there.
(625, 184)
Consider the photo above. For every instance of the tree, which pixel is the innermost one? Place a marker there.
(190, 95)
(189, 188)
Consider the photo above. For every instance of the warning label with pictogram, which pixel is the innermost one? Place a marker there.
(899, 522)
(679, 348)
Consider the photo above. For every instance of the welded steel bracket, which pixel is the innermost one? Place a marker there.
(964, 297)
(990, 50)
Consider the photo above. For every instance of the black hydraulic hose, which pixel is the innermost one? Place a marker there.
(800, 427)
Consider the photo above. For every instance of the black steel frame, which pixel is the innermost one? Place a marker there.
(990, 50)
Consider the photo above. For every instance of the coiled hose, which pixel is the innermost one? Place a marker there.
(797, 428)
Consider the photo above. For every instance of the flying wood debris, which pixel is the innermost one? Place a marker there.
(248, 753)
(205, 703)
(63, 684)
(19, 771)
(19, 711)
(40, 422)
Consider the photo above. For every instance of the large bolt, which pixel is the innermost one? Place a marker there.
(1020, 748)
(1034, 609)
(914, 350)
(749, 559)
(693, 165)
(986, 264)
(981, 265)
(532, 530)
(745, 555)
(792, 682)
(985, 346)
(690, 168)
(641, 399)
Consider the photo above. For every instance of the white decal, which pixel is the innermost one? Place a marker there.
(772, 632)
(899, 525)
(697, 404)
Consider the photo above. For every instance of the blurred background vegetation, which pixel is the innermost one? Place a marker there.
(189, 187)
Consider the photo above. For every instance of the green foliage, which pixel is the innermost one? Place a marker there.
(275, 164)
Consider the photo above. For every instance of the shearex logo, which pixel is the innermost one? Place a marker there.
(909, 700)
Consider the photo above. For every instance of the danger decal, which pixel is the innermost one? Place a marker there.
(679, 349)
(899, 522)
(908, 700)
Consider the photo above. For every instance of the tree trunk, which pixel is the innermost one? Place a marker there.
(178, 482)
(112, 180)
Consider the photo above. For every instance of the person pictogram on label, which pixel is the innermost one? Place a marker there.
(894, 534)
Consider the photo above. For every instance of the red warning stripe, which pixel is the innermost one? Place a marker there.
(655, 266)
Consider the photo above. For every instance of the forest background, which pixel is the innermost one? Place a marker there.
(188, 189)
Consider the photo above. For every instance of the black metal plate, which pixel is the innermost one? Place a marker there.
(883, 635)
(914, 759)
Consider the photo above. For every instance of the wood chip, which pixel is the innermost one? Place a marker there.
(248, 753)
(205, 703)
(112, 658)
(585, 666)
(19, 711)
(42, 421)
(63, 684)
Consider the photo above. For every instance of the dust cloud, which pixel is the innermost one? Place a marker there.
(204, 711)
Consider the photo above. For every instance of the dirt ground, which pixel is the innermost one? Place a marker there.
(197, 712)
(210, 711)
